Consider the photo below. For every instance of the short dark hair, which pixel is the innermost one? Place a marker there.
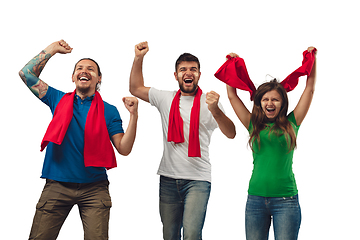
(186, 57)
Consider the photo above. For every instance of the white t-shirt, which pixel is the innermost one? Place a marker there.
(175, 162)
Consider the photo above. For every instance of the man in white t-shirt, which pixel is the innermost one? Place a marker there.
(188, 120)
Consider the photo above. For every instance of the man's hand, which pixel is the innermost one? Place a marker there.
(226, 126)
(131, 104)
(58, 47)
(212, 100)
(141, 49)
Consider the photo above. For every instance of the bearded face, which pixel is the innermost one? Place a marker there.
(86, 76)
(188, 76)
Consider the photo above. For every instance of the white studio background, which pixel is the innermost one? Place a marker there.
(269, 35)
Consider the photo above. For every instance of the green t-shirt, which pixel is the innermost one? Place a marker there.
(272, 175)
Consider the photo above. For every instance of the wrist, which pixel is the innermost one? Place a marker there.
(51, 49)
(134, 115)
(215, 111)
(139, 58)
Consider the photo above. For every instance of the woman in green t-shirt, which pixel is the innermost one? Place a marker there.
(272, 188)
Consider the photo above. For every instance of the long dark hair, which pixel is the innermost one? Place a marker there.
(259, 119)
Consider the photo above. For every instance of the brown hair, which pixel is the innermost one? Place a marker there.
(259, 119)
(186, 57)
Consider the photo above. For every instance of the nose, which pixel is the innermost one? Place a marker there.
(84, 71)
(271, 103)
(188, 73)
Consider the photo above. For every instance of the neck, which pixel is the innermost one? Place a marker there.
(84, 94)
(189, 94)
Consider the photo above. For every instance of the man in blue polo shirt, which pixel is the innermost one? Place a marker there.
(75, 167)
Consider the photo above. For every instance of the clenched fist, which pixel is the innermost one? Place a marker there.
(58, 47)
(131, 104)
(141, 49)
(212, 100)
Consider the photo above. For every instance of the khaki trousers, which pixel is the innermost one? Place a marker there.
(58, 198)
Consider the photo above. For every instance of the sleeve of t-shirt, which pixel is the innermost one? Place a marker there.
(291, 118)
(250, 128)
(159, 97)
(154, 96)
(113, 120)
(52, 98)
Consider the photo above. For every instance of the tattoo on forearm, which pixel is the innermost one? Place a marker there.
(38, 62)
(40, 89)
(31, 72)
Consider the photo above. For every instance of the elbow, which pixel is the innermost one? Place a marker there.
(22, 75)
(310, 90)
(232, 135)
(131, 89)
(124, 153)
(231, 132)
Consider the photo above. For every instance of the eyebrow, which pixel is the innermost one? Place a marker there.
(88, 66)
(190, 68)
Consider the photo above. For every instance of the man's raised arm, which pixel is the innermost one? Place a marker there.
(136, 85)
(31, 72)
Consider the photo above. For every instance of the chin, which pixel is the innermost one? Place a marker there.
(191, 90)
(83, 89)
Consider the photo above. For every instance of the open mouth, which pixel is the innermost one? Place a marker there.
(84, 77)
(270, 110)
(188, 81)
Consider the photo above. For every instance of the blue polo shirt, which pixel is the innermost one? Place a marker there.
(65, 162)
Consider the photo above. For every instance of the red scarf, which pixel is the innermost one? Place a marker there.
(234, 73)
(98, 151)
(175, 129)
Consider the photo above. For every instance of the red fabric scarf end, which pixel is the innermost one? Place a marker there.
(98, 151)
(175, 127)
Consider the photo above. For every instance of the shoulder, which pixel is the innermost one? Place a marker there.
(52, 97)
(156, 92)
(108, 105)
(292, 119)
(157, 96)
(110, 110)
(53, 93)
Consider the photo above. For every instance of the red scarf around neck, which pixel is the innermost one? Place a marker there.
(98, 151)
(175, 129)
(234, 73)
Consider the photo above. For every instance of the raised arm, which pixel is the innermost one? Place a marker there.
(124, 142)
(136, 85)
(240, 109)
(31, 71)
(304, 103)
(226, 126)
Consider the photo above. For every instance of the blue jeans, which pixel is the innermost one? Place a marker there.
(285, 212)
(183, 205)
